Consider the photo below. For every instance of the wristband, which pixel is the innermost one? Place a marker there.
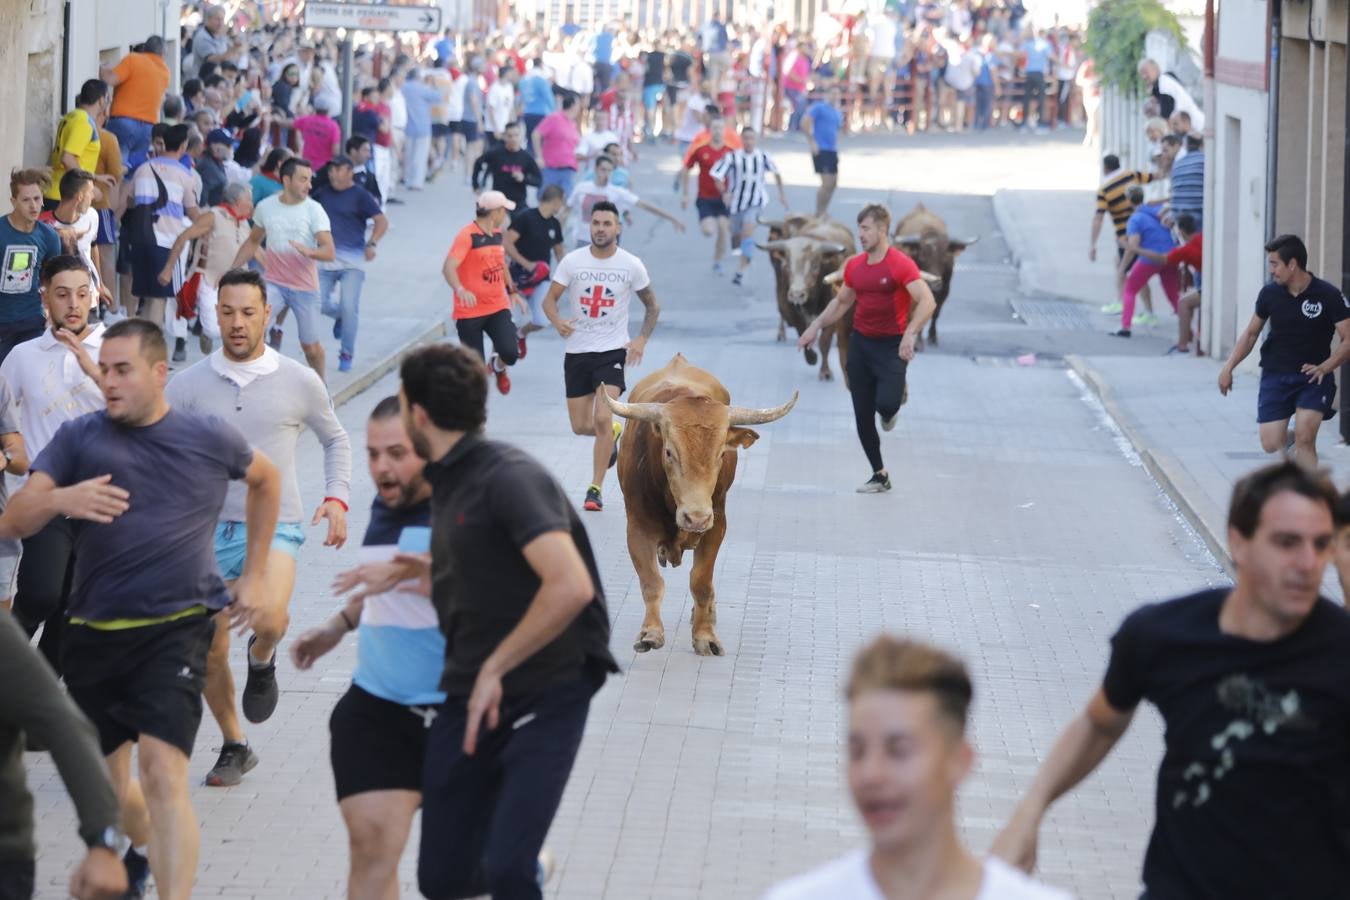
(338, 502)
(346, 621)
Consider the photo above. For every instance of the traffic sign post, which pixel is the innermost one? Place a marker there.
(372, 17)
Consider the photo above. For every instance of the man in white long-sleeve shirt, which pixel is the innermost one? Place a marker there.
(269, 398)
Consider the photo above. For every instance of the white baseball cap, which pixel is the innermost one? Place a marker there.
(494, 200)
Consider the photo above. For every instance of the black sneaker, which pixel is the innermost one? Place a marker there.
(260, 690)
(180, 350)
(593, 502)
(736, 279)
(234, 762)
(1120, 332)
(138, 874)
(879, 483)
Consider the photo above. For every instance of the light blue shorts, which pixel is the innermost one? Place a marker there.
(232, 545)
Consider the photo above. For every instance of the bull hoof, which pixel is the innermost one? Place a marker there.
(826, 375)
(708, 647)
(649, 640)
(810, 357)
(782, 333)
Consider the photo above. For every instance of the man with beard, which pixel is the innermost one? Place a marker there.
(142, 485)
(379, 727)
(531, 636)
(269, 398)
(600, 281)
(50, 388)
(894, 303)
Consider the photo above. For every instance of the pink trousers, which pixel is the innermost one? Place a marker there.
(1139, 274)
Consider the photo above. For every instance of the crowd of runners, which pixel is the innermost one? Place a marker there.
(151, 517)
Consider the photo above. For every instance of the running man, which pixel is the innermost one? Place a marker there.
(909, 695)
(600, 281)
(379, 727)
(586, 194)
(713, 217)
(299, 236)
(50, 388)
(740, 176)
(142, 485)
(1298, 368)
(1250, 683)
(531, 643)
(475, 269)
(269, 398)
(533, 243)
(893, 304)
(821, 123)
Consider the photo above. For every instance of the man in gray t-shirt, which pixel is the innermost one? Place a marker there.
(16, 463)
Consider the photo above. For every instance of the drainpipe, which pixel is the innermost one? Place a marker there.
(1211, 42)
(1272, 115)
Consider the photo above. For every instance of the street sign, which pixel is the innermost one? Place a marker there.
(372, 17)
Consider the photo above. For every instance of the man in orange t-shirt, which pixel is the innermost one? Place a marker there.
(141, 78)
(475, 268)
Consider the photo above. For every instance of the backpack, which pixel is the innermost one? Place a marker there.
(138, 222)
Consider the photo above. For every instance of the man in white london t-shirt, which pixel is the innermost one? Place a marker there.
(907, 755)
(600, 281)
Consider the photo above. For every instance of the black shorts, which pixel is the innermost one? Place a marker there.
(137, 681)
(146, 264)
(713, 208)
(826, 162)
(584, 372)
(377, 745)
(440, 129)
(468, 128)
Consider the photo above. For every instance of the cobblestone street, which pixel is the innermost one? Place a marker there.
(1022, 528)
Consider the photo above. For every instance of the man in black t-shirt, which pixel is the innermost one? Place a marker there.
(1297, 365)
(517, 591)
(532, 243)
(1253, 795)
(511, 167)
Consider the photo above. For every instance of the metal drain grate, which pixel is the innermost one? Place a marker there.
(1057, 315)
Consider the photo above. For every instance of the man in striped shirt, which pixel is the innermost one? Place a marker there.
(741, 175)
(1113, 199)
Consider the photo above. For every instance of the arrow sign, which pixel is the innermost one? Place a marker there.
(372, 17)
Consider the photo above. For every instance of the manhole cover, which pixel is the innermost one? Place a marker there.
(1057, 315)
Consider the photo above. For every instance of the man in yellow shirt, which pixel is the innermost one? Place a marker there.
(77, 140)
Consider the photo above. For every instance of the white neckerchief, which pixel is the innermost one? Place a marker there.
(244, 373)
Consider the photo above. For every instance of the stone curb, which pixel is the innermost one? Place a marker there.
(1012, 237)
(1165, 470)
(387, 365)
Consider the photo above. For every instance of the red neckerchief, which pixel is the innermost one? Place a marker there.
(272, 176)
(233, 215)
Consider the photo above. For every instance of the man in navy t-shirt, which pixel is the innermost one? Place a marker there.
(821, 123)
(1297, 366)
(25, 244)
(145, 484)
(350, 207)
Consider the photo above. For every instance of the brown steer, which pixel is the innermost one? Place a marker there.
(922, 234)
(676, 462)
(800, 259)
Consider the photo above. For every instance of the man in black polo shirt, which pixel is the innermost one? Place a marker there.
(1250, 681)
(1297, 365)
(518, 594)
(534, 239)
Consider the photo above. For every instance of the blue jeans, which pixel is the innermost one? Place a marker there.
(348, 279)
(798, 100)
(984, 106)
(561, 177)
(134, 137)
(304, 306)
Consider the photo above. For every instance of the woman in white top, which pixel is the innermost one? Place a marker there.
(907, 755)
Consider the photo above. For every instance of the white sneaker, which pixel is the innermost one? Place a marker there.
(544, 866)
(889, 424)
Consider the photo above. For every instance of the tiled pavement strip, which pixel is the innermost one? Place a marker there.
(1019, 533)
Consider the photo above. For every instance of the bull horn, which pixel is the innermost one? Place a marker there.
(770, 245)
(831, 247)
(835, 277)
(964, 242)
(744, 415)
(772, 223)
(933, 280)
(907, 239)
(633, 412)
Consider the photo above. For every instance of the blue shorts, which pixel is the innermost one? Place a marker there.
(232, 543)
(714, 208)
(651, 95)
(1284, 392)
(304, 306)
(107, 227)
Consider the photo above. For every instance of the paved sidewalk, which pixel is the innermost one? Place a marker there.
(1047, 233)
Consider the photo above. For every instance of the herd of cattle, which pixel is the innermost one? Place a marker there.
(679, 453)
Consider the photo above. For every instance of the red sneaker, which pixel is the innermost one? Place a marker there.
(503, 380)
(520, 346)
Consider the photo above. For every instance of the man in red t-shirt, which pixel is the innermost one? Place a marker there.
(893, 304)
(713, 216)
(1190, 254)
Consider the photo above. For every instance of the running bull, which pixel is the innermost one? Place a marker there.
(922, 234)
(677, 461)
(802, 252)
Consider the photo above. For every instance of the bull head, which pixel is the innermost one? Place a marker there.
(696, 433)
(802, 260)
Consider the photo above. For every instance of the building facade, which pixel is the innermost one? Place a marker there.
(48, 48)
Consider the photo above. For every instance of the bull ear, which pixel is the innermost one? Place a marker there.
(743, 438)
